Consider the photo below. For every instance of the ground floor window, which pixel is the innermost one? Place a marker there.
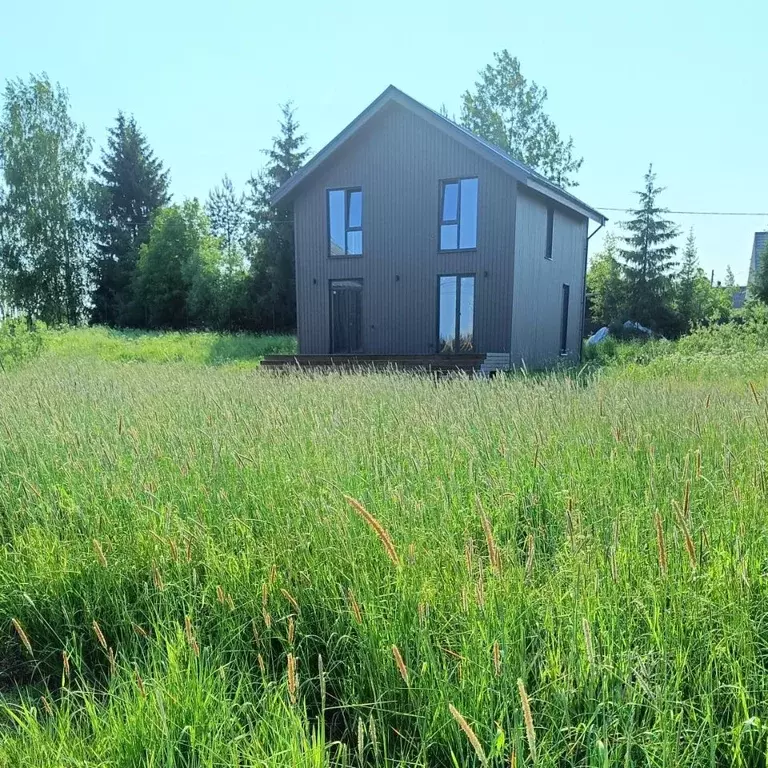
(456, 313)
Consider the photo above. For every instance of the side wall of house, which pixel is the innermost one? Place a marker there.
(398, 160)
(537, 298)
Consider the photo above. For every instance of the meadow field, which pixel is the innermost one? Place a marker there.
(212, 565)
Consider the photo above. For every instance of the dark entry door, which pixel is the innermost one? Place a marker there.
(346, 317)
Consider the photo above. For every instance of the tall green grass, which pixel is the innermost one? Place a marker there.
(148, 346)
(597, 546)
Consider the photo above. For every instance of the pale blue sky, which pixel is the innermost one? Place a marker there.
(681, 83)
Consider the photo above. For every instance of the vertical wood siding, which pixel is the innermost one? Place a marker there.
(398, 160)
(538, 286)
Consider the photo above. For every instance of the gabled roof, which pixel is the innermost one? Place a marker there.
(523, 173)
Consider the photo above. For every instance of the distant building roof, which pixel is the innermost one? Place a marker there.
(759, 245)
(494, 154)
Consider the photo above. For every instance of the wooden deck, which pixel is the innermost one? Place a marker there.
(426, 363)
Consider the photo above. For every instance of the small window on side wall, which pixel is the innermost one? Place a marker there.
(345, 222)
(458, 215)
(550, 232)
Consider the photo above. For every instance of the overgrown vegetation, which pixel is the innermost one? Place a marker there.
(209, 566)
(103, 344)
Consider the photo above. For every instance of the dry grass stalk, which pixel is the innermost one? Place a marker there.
(174, 550)
(272, 574)
(493, 552)
(480, 589)
(230, 603)
(360, 740)
(112, 661)
(189, 632)
(754, 393)
(293, 678)
(157, 579)
(513, 759)
(22, 636)
(469, 556)
(65, 663)
(529, 729)
(531, 544)
(687, 500)
(469, 733)
(587, 630)
(267, 618)
(321, 677)
(291, 599)
(698, 463)
(613, 564)
(262, 666)
(377, 528)
(660, 544)
(354, 606)
(140, 684)
(99, 553)
(46, 706)
(220, 594)
(689, 546)
(264, 595)
(411, 553)
(99, 635)
(291, 630)
(497, 659)
(140, 631)
(400, 663)
(455, 655)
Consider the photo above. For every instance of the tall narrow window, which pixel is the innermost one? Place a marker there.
(458, 215)
(456, 314)
(550, 232)
(564, 320)
(345, 222)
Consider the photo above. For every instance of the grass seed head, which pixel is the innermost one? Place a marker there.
(22, 636)
(293, 679)
(99, 553)
(530, 732)
(470, 734)
(377, 528)
(190, 634)
(661, 546)
(400, 663)
(99, 635)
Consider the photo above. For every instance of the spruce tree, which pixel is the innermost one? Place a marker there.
(272, 280)
(648, 259)
(131, 184)
(687, 277)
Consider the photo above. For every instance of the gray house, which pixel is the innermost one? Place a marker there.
(415, 237)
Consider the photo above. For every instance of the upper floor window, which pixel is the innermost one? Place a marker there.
(458, 214)
(550, 232)
(345, 222)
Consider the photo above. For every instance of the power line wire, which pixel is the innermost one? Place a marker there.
(689, 213)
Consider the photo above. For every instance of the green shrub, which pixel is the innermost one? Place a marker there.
(19, 341)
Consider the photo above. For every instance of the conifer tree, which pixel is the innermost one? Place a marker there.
(272, 280)
(131, 185)
(648, 258)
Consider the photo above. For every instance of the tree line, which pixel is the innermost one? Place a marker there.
(105, 244)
